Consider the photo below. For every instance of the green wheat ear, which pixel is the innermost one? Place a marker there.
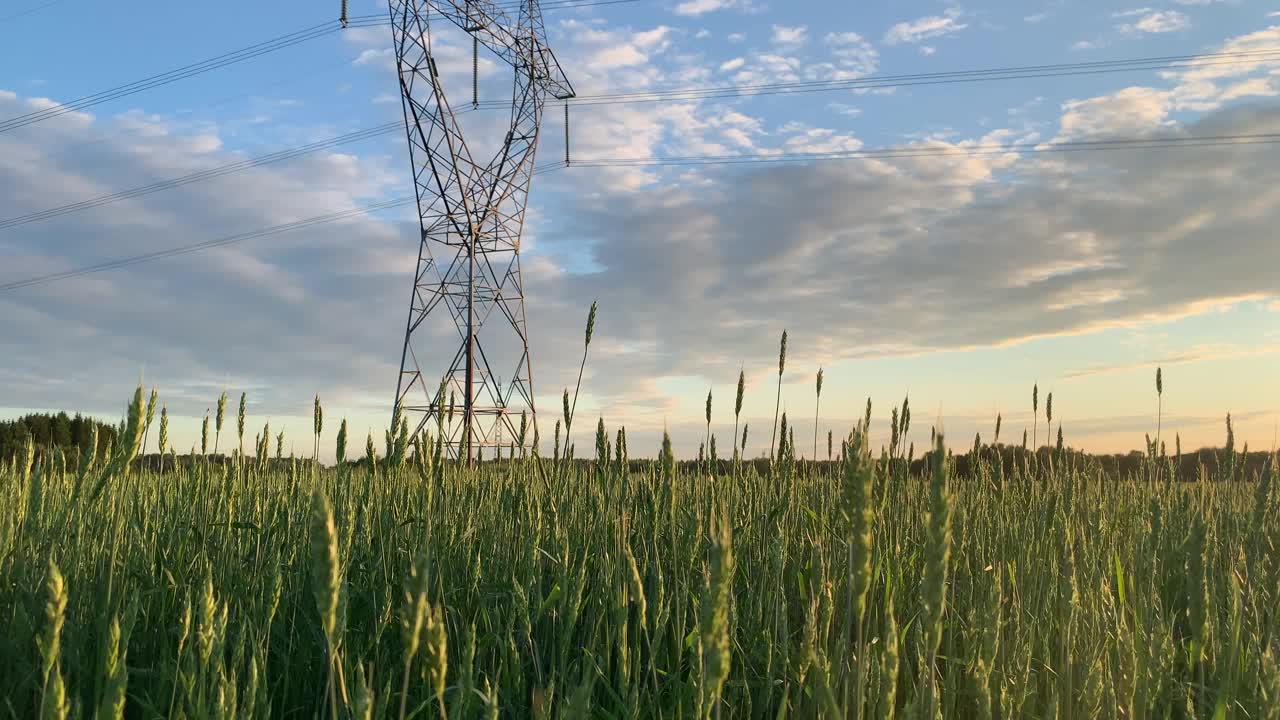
(371, 455)
(713, 634)
(342, 442)
(937, 556)
(591, 324)
(53, 701)
(326, 571)
(151, 407)
(742, 386)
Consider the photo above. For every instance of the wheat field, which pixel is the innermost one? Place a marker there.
(408, 585)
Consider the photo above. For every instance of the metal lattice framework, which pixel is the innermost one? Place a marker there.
(471, 213)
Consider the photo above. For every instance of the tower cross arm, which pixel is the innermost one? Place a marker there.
(519, 45)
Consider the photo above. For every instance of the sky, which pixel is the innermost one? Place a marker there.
(957, 278)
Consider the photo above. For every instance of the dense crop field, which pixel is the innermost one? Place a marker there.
(413, 587)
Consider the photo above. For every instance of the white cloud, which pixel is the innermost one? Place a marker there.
(924, 28)
(1155, 21)
(1081, 45)
(1207, 87)
(736, 37)
(820, 140)
(694, 8)
(621, 49)
(792, 36)
(1195, 354)
(382, 57)
(844, 109)
(1080, 243)
(1133, 111)
(607, 60)
(855, 56)
(1035, 18)
(213, 302)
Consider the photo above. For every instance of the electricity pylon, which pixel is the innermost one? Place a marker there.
(471, 214)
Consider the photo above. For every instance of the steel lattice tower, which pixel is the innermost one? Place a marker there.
(471, 214)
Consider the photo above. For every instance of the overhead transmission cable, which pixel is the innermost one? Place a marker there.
(674, 94)
(1069, 146)
(172, 76)
(1175, 62)
(207, 245)
(28, 11)
(236, 56)
(209, 174)
(1112, 145)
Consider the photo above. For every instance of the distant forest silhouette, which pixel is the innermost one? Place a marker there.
(48, 431)
(71, 435)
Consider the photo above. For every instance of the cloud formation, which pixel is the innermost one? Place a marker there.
(1154, 21)
(697, 270)
(925, 28)
(695, 8)
(871, 258)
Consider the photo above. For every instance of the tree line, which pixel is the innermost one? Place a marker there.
(48, 431)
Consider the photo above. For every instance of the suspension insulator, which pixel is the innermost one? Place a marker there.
(475, 71)
(343, 17)
(566, 133)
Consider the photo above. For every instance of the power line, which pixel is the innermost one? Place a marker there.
(182, 73)
(935, 151)
(207, 245)
(209, 174)
(1141, 63)
(677, 94)
(292, 79)
(231, 58)
(28, 11)
(1162, 62)
(1176, 62)
(1117, 144)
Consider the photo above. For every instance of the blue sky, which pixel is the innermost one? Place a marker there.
(960, 279)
